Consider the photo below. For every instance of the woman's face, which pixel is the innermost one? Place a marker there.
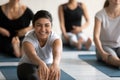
(42, 28)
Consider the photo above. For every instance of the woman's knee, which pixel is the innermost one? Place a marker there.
(27, 72)
(109, 50)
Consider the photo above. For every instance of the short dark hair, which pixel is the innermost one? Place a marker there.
(42, 14)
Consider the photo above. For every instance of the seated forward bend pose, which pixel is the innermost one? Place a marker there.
(15, 20)
(42, 51)
(107, 33)
(70, 16)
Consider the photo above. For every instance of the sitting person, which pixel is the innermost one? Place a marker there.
(14, 24)
(42, 51)
(107, 33)
(70, 16)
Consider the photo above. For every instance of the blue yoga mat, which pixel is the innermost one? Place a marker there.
(10, 73)
(106, 69)
(6, 58)
(70, 48)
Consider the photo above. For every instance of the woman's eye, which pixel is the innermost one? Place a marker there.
(47, 25)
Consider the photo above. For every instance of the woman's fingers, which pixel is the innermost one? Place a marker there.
(54, 75)
(43, 73)
(59, 74)
(57, 77)
(47, 74)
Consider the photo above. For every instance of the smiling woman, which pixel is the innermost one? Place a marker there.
(42, 51)
(42, 27)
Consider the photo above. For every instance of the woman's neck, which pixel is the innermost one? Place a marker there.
(13, 5)
(113, 12)
(114, 8)
(13, 10)
(72, 2)
(42, 42)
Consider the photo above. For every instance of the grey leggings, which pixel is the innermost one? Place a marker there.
(112, 51)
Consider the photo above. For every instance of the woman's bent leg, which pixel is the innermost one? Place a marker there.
(27, 72)
(112, 58)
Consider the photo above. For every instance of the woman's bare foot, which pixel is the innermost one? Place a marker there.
(79, 47)
(88, 44)
(79, 44)
(111, 60)
(16, 46)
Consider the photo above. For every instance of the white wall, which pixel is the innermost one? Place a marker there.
(52, 5)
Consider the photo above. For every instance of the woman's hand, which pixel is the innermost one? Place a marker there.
(43, 71)
(104, 56)
(22, 32)
(4, 32)
(66, 37)
(54, 72)
(76, 29)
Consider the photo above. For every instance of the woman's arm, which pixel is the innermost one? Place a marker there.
(32, 55)
(54, 68)
(62, 22)
(4, 32)
(29, 50)
(57, 50)
(86, 16)
(22, 32)
(97, 29)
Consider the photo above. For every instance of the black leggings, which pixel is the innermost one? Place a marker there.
(27, 71)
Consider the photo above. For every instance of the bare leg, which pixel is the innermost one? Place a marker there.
(16, 46)
(79, 44)
(74, 41)
(88, 44)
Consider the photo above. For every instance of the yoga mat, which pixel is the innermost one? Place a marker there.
(10, 73)
(101, 66)
(6, 58)
(70, 48)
